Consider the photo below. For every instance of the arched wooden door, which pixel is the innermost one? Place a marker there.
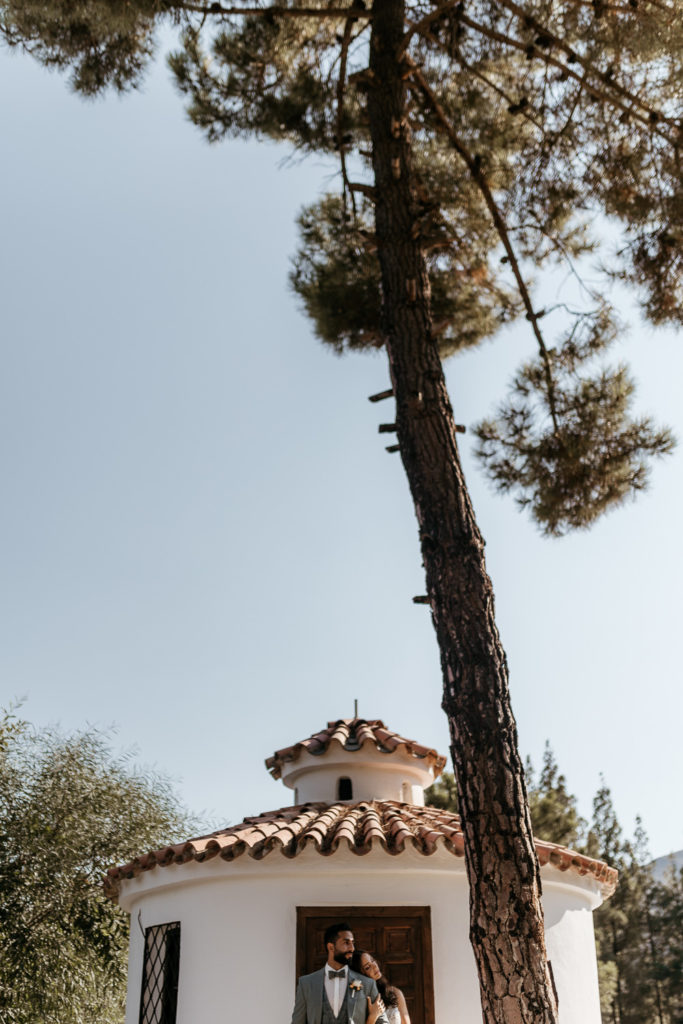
(400, 937)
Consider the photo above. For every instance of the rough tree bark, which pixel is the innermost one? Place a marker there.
(506, 918)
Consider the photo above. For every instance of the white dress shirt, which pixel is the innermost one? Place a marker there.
(336, 989)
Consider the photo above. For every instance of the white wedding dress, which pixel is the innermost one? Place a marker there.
(393, 1015)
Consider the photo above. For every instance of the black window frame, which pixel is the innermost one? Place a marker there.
(160, 971)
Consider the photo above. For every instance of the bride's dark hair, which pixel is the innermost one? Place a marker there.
(387, 991)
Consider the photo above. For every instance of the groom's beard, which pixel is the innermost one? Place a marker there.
(342, 959)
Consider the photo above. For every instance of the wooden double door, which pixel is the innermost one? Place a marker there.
(400, 938)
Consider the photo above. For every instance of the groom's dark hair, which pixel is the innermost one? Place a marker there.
(333, 931)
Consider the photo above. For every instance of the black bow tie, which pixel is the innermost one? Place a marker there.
(337, 974)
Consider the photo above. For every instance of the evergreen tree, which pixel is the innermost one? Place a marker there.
(639, 930)
(605, 842)
(443, 793)
(628, 960)
(666, 929)
(477, 140)
(554, 814)
(69, 809)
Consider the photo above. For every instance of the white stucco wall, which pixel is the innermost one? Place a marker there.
(238, 929)
(570, 942)
(375, 776)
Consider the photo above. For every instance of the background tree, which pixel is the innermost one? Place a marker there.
(443, 793)
(553, 809)
(665, 925)
(554, 813)
(476, 141)
(69, 808)
(633, 958)
(639, 930)
(625, 968)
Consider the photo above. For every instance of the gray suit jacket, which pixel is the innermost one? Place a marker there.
(308, 1005)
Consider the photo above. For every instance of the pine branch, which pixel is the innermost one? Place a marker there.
(473, 163)
(554, 40)
(418, 27)
(556, 243)
(632, 11)
(476, 73)
(511, 102)
(367, 190)
(647, 115)
(341, 87)
(596, 91)
(277, 11)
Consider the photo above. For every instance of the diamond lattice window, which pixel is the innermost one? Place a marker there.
(160, 974)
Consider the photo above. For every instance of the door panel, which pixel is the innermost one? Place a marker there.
(400, 938)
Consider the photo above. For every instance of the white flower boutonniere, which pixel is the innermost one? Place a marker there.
(355, 986)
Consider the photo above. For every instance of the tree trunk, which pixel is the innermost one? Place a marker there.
(506, 918)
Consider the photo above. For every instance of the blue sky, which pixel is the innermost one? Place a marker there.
(202, 539)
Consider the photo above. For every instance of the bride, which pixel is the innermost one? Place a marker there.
(395, 1008)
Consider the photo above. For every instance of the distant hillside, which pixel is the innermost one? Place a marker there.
(662, 865)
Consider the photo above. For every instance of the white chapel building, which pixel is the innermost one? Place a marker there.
(223, 925)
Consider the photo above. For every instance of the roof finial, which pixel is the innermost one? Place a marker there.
(355, 707)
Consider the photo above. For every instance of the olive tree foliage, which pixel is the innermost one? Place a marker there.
(69, 809)
(544, 134)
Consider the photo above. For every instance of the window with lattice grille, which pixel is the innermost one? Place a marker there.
(160, 974)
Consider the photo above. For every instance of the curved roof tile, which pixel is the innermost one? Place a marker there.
(353, 734)
(393, 826)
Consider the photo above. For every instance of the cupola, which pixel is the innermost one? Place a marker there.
(356, 759)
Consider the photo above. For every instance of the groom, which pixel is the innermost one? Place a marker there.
(336, 994)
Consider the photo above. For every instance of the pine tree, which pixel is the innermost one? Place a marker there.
(605, 842)
(629, 962)
(477, 140)
(443, 793)
(639, 931)
(554, 814)
(665, 925)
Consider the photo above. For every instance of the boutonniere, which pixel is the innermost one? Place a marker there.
(355, 986)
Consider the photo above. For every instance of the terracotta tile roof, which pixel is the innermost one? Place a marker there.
(353, 734)
(393, 826)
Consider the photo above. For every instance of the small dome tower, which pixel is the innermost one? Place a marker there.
(356, 759)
